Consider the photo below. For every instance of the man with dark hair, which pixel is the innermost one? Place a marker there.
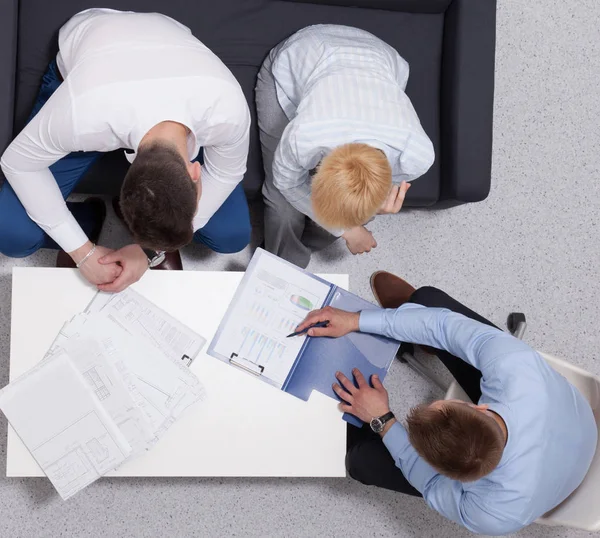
(493, 467)
(142, 82)
(159, 198)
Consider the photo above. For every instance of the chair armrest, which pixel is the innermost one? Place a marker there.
(8, 63)
(467, 100)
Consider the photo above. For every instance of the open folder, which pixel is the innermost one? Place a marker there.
(272, 299)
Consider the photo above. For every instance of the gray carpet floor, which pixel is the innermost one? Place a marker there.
(533, 246)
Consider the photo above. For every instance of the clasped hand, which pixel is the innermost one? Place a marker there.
(115, 270)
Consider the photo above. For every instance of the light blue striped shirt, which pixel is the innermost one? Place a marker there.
(339, 85)
(552, 433)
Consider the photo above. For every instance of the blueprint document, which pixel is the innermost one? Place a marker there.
(145, 390)
(121, 371)
(142, 318)
(275, 298)
(67, 430)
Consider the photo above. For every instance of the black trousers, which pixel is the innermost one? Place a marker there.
(367, 458)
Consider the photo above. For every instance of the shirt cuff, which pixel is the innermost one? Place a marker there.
(68, 234)
(396, 440)
(371, 321)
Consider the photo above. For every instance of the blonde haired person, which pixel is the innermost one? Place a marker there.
(340, 139)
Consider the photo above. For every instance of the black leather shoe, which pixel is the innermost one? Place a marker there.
(90, 214)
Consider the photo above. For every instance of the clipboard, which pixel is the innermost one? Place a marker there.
(250, 335)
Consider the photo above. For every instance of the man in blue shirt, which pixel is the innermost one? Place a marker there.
(493, 467)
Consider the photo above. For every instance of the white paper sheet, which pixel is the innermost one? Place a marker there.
(108, 376)
(164, 388)
(274, 300)
(142, 318)
(63, 425)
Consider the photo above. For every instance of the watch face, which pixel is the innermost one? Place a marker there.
(376, 425)
(157, 259)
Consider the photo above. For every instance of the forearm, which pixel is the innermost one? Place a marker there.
(44, 203)
(47, 138)
(472, 341)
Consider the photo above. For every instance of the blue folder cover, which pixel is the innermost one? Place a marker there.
(320, 358)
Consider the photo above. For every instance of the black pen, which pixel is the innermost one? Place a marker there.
(319, 324)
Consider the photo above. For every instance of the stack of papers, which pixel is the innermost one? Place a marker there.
(114, 380)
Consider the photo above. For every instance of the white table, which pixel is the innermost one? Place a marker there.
(244, 427)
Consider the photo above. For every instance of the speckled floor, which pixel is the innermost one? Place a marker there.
(533, 246)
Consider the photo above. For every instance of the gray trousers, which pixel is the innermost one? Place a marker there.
(289, 233)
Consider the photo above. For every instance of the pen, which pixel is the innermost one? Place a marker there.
(319, 324)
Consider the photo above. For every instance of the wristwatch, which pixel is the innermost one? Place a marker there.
(155, 257)
(378, 423)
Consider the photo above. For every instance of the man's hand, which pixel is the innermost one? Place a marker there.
(340, 322)
(134, 262)
(365, 401)
(94, 272)
(394, 201)
(359, 240)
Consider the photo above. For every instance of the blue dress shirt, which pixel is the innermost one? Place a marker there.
(552, 433)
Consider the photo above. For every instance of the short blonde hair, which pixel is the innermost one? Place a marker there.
(350, 185)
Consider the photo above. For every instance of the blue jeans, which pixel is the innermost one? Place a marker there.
(227, 231)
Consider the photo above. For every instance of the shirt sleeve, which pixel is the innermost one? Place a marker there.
(446, 496)
(474, 342)
(293, 179)
(224, 167)
(418, 154)
(48, 137)
(417, 157)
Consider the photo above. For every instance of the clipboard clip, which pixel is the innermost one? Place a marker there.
(244, 364)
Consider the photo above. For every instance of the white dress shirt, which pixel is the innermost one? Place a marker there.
(339, 85)
(123, 74)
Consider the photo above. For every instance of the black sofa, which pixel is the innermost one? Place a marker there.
(449, 44)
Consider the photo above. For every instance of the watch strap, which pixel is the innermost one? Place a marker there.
(387, 417)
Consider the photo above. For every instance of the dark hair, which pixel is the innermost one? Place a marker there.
(456, 440)
(159, 198)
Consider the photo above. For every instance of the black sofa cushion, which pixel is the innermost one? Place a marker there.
(241, 32)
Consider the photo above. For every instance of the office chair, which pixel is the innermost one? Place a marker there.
(581, 510)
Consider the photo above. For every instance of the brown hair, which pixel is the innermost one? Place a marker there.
(159, 198)
(456, 440)
(350, 185)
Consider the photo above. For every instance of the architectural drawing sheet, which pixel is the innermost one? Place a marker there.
(274, 300)
(62, 423)
(162, 388)
(142, 318)
(159, 388)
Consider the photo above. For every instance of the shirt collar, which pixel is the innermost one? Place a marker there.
(503, 411)
(140, 130)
